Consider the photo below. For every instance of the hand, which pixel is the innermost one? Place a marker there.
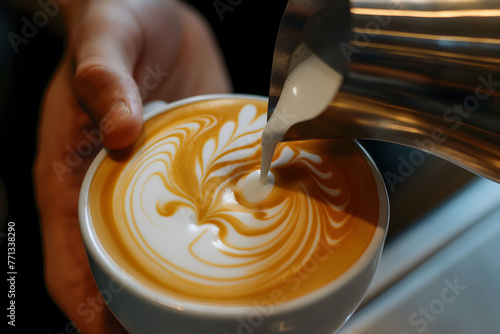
(120, 54)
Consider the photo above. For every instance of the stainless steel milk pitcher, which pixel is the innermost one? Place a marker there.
(424, 74)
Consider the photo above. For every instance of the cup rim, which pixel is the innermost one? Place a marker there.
(96, 250)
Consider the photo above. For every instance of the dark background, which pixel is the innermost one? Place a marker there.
(246, 35)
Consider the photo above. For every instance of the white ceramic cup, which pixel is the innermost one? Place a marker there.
(143, 310)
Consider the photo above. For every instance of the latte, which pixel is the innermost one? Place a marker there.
(184, 213)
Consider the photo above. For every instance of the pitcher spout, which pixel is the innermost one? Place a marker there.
(420, 74)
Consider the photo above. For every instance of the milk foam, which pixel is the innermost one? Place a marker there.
(165, 234)
(252, 189)
(190, 210)
(308, 90)
(176, 239)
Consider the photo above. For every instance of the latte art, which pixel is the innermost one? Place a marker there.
(184, 209)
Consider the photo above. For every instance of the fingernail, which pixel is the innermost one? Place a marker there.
(116, 114)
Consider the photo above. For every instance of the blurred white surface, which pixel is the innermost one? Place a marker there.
(443, 274)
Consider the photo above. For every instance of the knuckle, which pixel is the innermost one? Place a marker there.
(91, 83)
(88, 74)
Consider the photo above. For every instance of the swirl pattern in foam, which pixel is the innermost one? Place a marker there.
(181, 210)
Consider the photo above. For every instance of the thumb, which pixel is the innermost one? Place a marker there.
(104, 86)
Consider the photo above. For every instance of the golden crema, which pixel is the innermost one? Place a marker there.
(179, 213)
